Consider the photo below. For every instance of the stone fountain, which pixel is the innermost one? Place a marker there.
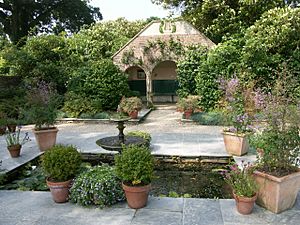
(114, 143)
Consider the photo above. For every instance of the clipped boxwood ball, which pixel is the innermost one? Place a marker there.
(61, 163)
(97, 186)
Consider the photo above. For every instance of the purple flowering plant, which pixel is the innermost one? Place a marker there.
(240, 179)
(279, 140)
(42, 102)
(236, 96)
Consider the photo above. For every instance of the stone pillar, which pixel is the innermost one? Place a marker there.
(149, 94)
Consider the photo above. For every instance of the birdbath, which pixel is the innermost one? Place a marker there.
(121, 127)
(114, 143)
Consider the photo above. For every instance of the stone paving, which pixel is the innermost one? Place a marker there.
(38, 208)
(169, 137)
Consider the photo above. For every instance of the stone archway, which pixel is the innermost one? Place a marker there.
(137, 80)
(164, 82)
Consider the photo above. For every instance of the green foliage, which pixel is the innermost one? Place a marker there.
(102, 40)
(12, 100)
(209, 118)
(77, 104)
(61, 163)
(100, 115)
(272, 40)
(20, 17)
(219, 19)
(101, 83)
(187, 69)
(135, 165)
(42, 58)
(97, 186)
(142, 134)
(280, 151)
(31, 178)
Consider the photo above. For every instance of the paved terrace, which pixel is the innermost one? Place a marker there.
(38, 208)
(170, 137)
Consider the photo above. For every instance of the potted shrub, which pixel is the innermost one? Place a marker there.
(188, 105)
(14, 142)
(43, 102)
(238, 115)
(243, 185)
(61, 164)
(278, 146)
(131, 106)
(135, 168)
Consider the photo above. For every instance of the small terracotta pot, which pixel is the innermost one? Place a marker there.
(14, 150)
(244, 205)
(59, 190)
(12, 128)
(188, 114)
(137, 196)
(134, 114)
(45, 138)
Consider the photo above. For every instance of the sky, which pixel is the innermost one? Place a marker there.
(130, 9)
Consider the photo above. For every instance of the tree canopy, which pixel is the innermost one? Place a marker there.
(219, 19)
(20, 17)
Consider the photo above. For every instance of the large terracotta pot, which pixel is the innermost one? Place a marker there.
(244, 205)
(137, 196)
(277, 194)
(134, 114)
(45, 138)
(236, 144)
(14, 150)
(59, 190)
(188, 114)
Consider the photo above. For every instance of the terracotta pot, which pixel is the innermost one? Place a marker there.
(45, 138)
(188, 114)
(14, 150)
(59, 190)
(2, 130)
(12, 128)
(134, 114)
(244, 205)
(236, 144)
(277, 194)
(137, 196)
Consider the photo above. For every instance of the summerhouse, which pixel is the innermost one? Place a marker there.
(151, 56)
